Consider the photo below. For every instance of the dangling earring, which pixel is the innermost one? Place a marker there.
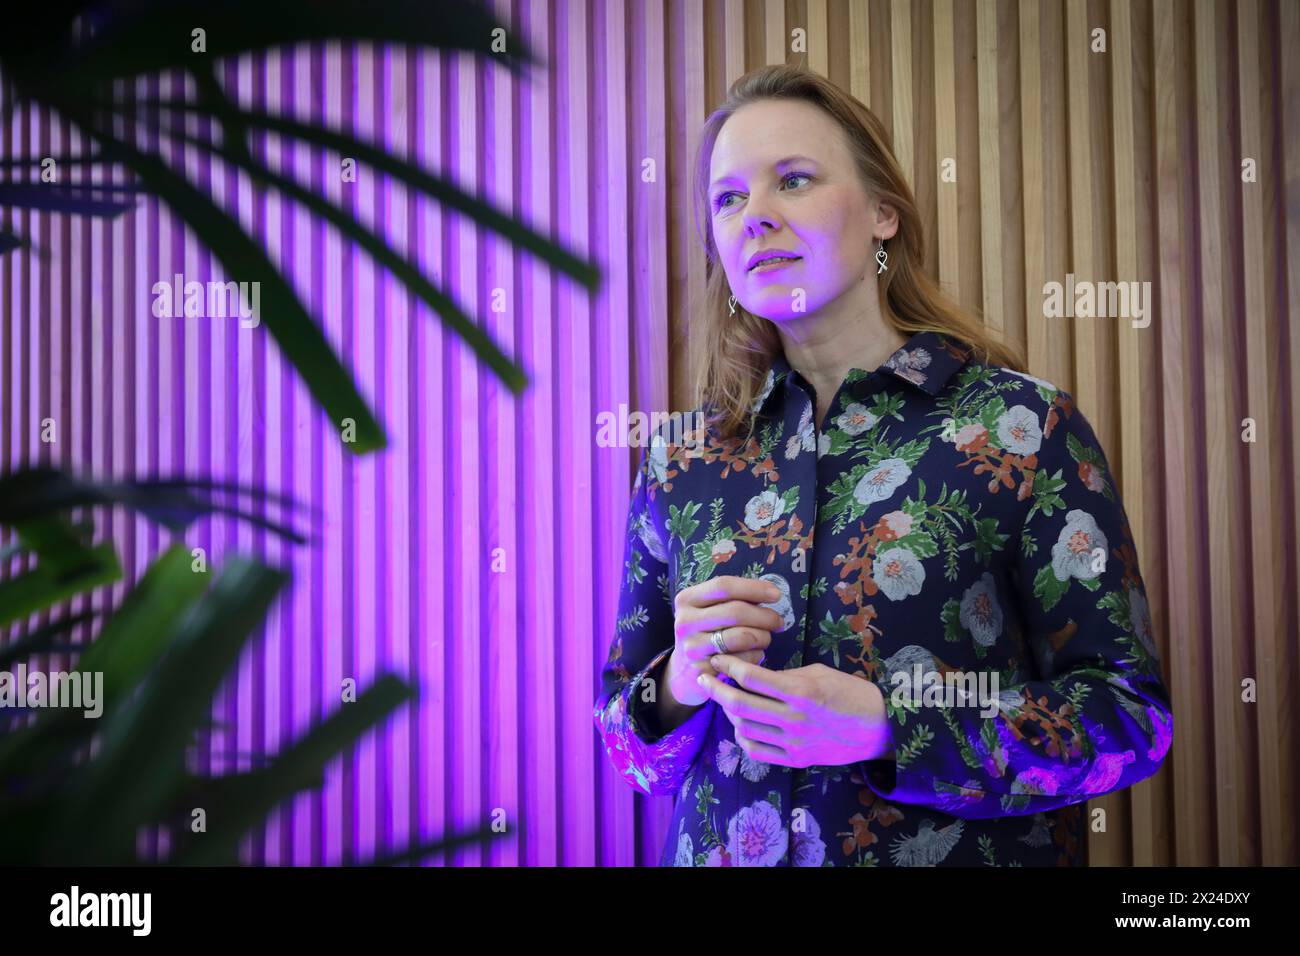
(881, 257)
(731, 301)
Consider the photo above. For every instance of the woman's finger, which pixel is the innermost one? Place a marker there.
(729, 614)
(727, 587)
(700, 646)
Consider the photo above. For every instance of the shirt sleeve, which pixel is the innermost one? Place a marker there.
(1099, 719)
(648, 759)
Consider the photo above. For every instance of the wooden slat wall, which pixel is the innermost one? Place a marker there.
(1119, 165)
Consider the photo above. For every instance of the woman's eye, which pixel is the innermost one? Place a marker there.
(718, 203)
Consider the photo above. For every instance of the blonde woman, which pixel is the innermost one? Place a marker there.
(885, 609)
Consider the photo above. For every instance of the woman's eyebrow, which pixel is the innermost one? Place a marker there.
(787, 161)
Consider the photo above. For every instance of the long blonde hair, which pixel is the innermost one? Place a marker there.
(734, 352)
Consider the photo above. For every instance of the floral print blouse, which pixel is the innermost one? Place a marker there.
(950, 519)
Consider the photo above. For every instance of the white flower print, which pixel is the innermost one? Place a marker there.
(804, 438)
(1072, 553)
(905, 659)
(767, 390)
(685, 851)
(980, 612)
(649, 536)
(659, 459)
(763, 509)
(856, 419)
(823, 444)
(783, 604)
(909, 364)
(880, 482)
(731, 756)
(1019, 432)
(898, 573)
(756, 836)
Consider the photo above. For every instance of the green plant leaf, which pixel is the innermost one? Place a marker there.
(442, 190)
(236, 804)
(484, 347)
(145, 36)
(44, 640)
(301, 340)
(50, 197)
(140, 764)
(173, 503)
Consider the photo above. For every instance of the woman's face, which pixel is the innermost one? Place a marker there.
(813, 207)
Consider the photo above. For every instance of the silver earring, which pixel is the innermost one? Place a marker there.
(881, 258)
(731, 301)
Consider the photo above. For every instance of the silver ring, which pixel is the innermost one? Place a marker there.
(719, 642)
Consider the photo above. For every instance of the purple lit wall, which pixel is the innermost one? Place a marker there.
(401, 578)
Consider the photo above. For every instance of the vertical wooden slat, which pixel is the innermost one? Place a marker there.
(990, 122)
(1264, 501)
(1082, 239)
(1032, 199)
(859, 50)
(900, 34)
(776, 42)
(1148, 818)
(945, 147)
(1221, 432)
(1287, 41)
(818, 37)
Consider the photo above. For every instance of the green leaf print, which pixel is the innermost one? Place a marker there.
(987, 539)
(635, 573)
(681, 521)
(909, 751)
(708, 835)
(831, 633)
(1046, 498)
(989, 415)
(634, 619)
(1048, 588)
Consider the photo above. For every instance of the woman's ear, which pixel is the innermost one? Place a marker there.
(886, 220)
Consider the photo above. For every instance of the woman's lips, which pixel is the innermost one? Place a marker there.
(773, 265)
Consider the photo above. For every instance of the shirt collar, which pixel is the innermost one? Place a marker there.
(927, 361)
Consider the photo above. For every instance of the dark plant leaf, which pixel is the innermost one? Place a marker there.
(235, 804)
(10, 242)
(473, 336)
(301, 340)
(126, 650)
(145, 36)
(44, 640)
(49, 197)
(173, 503)
(47, 585)
(436, 187)
(141, 763)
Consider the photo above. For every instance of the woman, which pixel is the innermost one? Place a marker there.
(884, 609)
